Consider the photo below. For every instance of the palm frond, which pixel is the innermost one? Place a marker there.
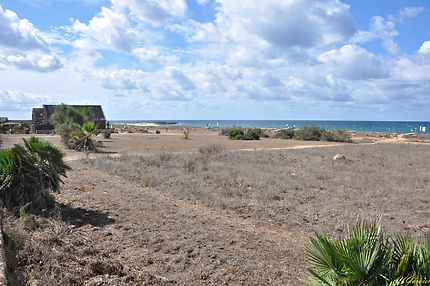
(29, 171)
(6, 169)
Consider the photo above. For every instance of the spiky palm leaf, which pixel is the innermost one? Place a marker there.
(360, 259)
(423, 260)
(6, 169)
(365, 257)
(49, 159)
(404, 256)
(29, 171)
(82, 136)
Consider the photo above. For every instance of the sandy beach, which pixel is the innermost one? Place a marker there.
(161, 210)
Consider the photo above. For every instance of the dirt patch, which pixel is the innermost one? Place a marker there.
(217, 217)
(214, 216)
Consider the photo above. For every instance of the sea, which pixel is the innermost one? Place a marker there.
(364, 126)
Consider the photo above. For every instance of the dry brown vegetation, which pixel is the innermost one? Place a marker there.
(291, 187)
(218, 217)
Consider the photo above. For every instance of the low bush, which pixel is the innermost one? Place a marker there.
(234, 133)
(260, 132)
(238, 133)
(75, 127)
(336, 136)
(312, 133)
(315, 134)
(65, 130)
(82, 137)
(106, 134)
(285, 134)
(29, 171)
(368, 257)
(224, 131)
(251, 134)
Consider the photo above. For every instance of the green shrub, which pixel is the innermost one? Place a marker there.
(73, 127)
(65, 130)
(251, 134)
(258, 132)
(336, 136)
(29, 171)
(224, 131)
(315, 134)
(238, 133)
(285, 134)
(235, 133)
(309, 133)
(64, 113)
(367, 257)
(106, 134)
(82, 137)
(87, 114)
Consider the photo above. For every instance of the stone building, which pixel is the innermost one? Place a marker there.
(41, 117)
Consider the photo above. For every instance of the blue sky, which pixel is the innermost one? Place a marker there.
(218, 59)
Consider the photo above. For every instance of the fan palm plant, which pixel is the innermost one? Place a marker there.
(6, 169)
(82, 136)
(29, 171)
(366, 257)
(411, 260)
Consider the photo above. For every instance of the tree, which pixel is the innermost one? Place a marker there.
(87, 114)
(64, 113)
(75, 127)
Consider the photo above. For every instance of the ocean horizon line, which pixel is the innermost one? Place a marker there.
(357, 126)
(336, 120)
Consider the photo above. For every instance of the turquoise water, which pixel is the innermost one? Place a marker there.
(369, 126)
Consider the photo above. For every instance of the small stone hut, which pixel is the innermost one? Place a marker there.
(41, 117)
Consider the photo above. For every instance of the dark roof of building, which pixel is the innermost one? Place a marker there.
(96, 109)
(3, 119)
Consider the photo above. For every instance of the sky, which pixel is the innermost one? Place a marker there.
(218, 59)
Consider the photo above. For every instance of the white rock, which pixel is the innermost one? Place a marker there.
(339, 157)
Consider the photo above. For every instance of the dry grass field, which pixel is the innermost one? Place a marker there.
(215, 217)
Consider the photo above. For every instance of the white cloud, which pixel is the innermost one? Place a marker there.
(303, 53)
(14, 100)
(123, 27)
(202, 2)
(275, 22)
(33, 61)
(153, 11)
(354, 62)
(425, 48)
(386, 30)
(411, 69)
(19, 33)
(109, 29)
(155, 55)
(23, 46)
(409, 12)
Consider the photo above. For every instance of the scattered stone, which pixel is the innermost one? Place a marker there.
(339, 157)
